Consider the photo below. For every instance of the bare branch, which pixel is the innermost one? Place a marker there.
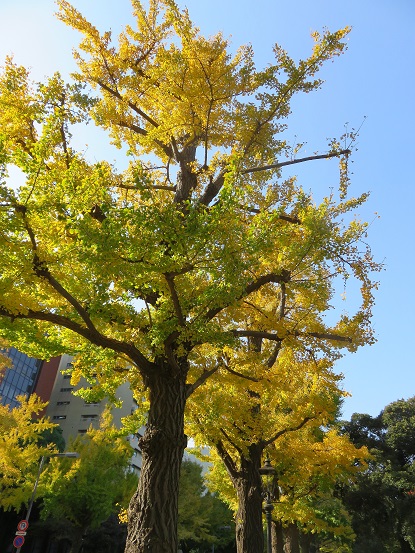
(155, 187)
(214, 187)
(91, 335)
(325, 336)
(286, 430)
(294, 161)
(252, 287)
(276, 338)
(199, 381)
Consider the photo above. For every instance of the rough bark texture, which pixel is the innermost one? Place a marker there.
(306, 543)
(153, 509)
(277, 537)
(76, 539)
(292, 544)
(249, 529)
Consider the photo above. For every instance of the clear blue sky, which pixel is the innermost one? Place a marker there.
(375, 79)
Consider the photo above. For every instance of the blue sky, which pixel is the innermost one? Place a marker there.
(372, 82)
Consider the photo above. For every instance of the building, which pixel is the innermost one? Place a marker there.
(73, 414)
(21, 379)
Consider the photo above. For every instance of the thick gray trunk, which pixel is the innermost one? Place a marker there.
(152, 526)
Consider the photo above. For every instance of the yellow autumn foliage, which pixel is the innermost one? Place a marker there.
(21, 449)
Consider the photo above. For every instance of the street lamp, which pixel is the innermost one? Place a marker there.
(69, 454)
(268, 471)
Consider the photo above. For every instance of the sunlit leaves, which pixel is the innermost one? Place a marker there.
(187, 252)
(21, 448)
(87, 490)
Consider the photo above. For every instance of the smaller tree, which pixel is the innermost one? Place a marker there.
(204, 520)
(310, 465)
(86, 491)
(382, 500)
(295, 397)
(22, 444)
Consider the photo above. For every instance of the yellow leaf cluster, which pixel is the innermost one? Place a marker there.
(21, 449)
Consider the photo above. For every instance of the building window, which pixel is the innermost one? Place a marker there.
(19, 380)
(59, 417)
(66, 376)
(89, 417)
(63, 403)
(82, 431)
(66, 389)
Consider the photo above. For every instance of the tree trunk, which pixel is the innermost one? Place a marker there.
(76, 539)
(292, 544)
(152, 526)
(249, 529)
(277, 537)
(305, 543)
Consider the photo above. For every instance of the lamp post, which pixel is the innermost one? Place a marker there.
(69, 454)
(268, 471)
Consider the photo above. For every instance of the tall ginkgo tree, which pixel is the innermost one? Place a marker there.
(277, 412)
(22, 444)
(146, 274)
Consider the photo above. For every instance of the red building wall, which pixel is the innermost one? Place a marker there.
(46, 380)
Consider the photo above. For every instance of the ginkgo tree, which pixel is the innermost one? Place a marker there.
(22, 445)
(148, 273)
(310, 465)
(275, 411)
(83, 493)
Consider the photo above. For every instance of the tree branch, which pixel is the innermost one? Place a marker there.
(175, 298)
(215, 186)
(233, 444)
(155, 187)
(212, 189)
(42, 271)
(252, 287)
(199, 381)
(325, 336)
(130, 104)
(294, 161)
(227, 460)
(274, 355)
(276, 338)
(240, 375)
(135, 128)
(92, 335)
(286, 430)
